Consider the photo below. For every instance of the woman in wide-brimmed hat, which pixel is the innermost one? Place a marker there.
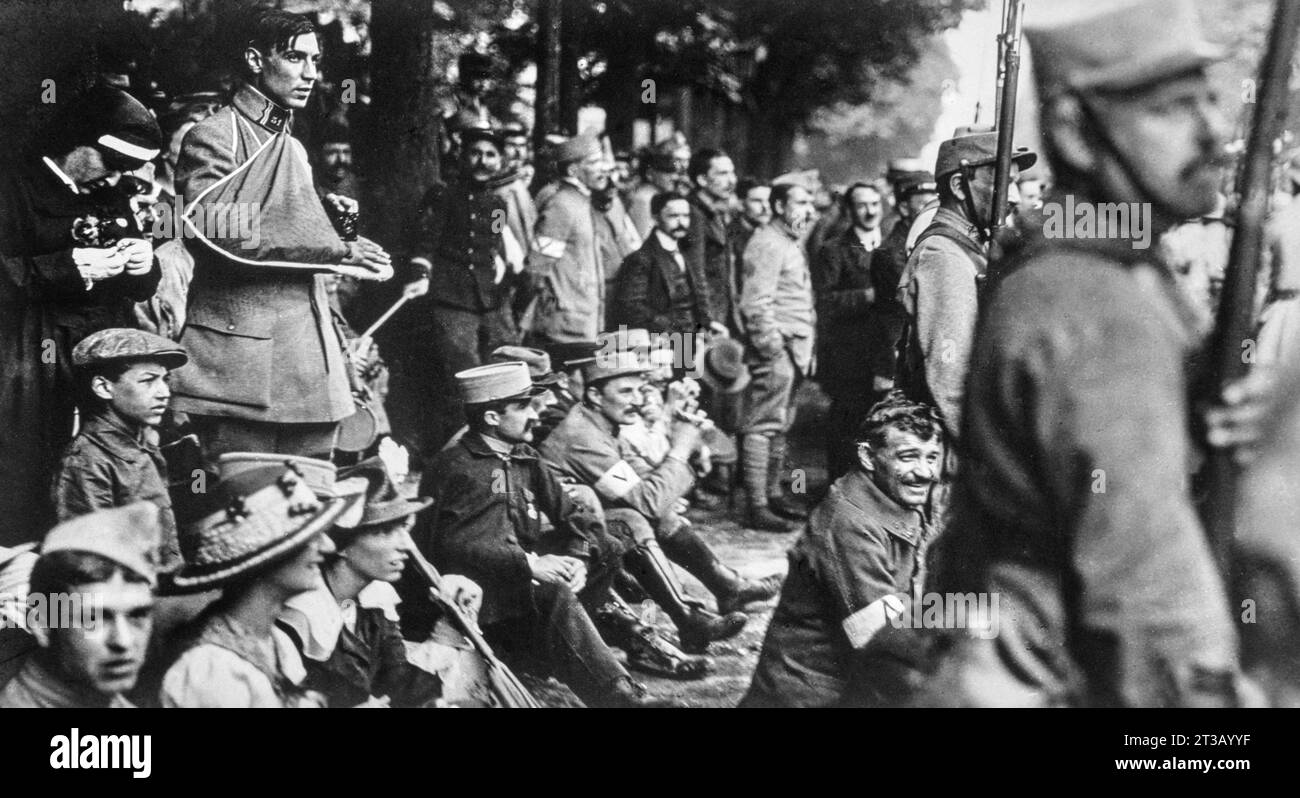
(260, 536)
(348, 629)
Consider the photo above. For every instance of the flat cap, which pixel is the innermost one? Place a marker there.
(496, 381)
(577, 148)
(1114, 45)
(979, 146)
(122, 343)
(129, 536)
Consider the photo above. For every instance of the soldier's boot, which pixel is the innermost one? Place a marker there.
(696, 626)
(714, 491)
(754, 452)
(647, 650)
(731, 590)
(627, 693)
(627, 588)
(777, 500)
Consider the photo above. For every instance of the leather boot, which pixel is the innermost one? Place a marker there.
(647, 650)
(731, 590)
(777, 499)
(754, 452)
(696, 626)
(719, 480)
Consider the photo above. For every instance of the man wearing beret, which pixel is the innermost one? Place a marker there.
(943, 281)
(566, 263)
(92, 657)
(73, 262)
(461, 239)
(267, 370)
(114, 460)
(1072, 502)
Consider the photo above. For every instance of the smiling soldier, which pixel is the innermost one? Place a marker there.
(855, 570)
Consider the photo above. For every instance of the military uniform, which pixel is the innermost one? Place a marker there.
(829, 642)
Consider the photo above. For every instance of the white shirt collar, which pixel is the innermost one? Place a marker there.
(666, 241)
(59, 173)
(869, 238)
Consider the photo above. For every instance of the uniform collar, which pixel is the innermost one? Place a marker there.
(578, 184)
(261, 109)
(958, 222)
(44, 689)
(784, 229)
(481, 445)
(597, 420)
(860, 490)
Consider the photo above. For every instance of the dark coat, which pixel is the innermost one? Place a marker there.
(458, 231)
(45, 310)
(370, 661)
(712, 262)
(651, 293)
(850, 341)
(108, 465)
(487, 517)
(860, 546)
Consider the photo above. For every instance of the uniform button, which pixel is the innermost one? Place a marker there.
(230, 327)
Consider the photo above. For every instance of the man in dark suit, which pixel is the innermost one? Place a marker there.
(655, 290)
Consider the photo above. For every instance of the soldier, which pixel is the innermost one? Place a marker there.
(107, 560)
(857, 568)
(640, 502)
(777, 306)
(267, 371)
(942, 282)
(489, 494)
(114, 460)
(914, 189)
(1072, 502)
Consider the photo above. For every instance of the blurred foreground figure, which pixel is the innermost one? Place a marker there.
(1072, 503)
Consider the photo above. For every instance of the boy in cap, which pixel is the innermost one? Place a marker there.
(489, 493)
(114, 460)
(1072, 503)
(71, 266)
(943, 281)
(104, 565)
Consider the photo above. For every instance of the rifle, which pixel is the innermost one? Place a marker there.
(508, 689)
(1235, 319)
(1008, 83)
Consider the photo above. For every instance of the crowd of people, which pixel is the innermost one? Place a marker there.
(590, 348)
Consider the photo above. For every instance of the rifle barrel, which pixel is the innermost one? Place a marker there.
(1007, 113)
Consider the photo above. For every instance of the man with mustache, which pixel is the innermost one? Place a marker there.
(776, 304)
(105, 562)
(1072, 502)
(855, 570)
(68, 266)
(460, 237)
(943, 281)
(655, 290)
(844, 284)
(490, 492)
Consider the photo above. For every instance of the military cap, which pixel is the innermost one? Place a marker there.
(577, 148)
(624, 339)
(113, 120)
(901, 167)
(481, 132)
(514, 129)
(608, 365)
(496, 381)
(566, 353)
(977, 145)
(121, 343)
(538, 362)
(1114, 45)
(130, 536)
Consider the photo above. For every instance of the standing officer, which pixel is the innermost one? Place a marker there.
(1072, 501)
